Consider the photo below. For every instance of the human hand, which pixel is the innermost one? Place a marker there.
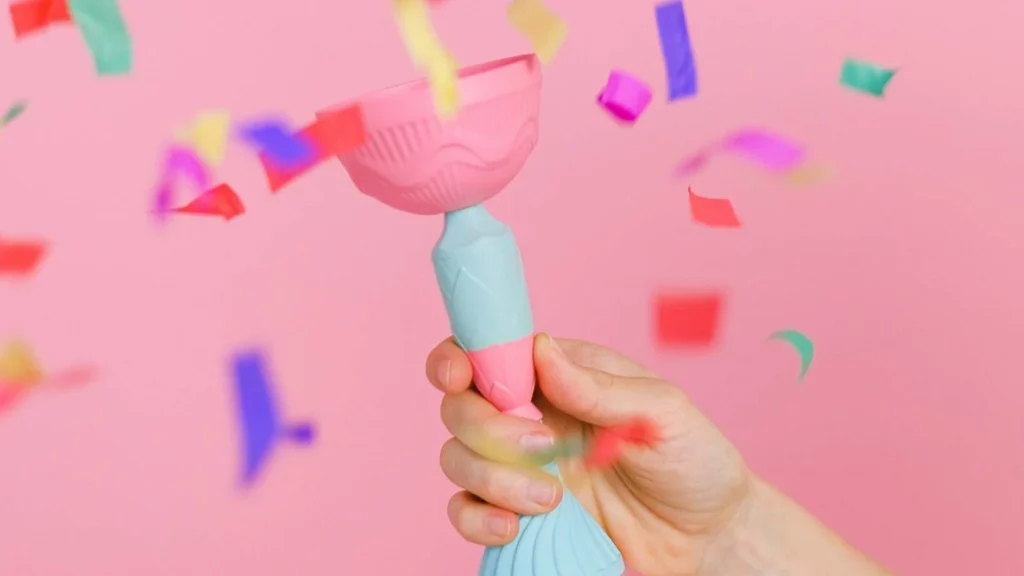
(662, 505)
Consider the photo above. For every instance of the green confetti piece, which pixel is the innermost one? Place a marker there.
(802, 344)
(865, 77)
(105, 33)
(13, 112)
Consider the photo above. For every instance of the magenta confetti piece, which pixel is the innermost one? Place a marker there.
(624, 96)
(693, 164)
(769, 150)
(179, 162)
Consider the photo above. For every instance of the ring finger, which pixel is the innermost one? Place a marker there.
(521, 490)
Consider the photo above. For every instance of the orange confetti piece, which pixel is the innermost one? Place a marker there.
(714, 212)
(20, 258)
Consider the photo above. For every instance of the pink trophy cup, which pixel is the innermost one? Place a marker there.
(415, 162)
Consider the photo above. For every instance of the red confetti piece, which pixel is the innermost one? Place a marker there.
(714, 212)
(20, 258)
(332, 134)
(31, 16)
(606, 445)
(221, 200)
(687, 319)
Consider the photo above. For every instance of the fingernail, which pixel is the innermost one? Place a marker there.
(498, 526)
(555, 348)
(536, 442)
(444, 373)
(541, 493)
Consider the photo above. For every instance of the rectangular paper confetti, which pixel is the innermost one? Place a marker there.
(687, 320)
(428, 54)
(20, 258)
(334, 133)
(208, 135)
(768, 149)
(542, 27)
(865, 77)
(713, 212)
(30, 16)
(105, 33)
(676, 50)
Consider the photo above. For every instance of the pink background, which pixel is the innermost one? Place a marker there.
(905, 269)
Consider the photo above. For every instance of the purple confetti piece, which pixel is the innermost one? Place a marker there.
(676, 50)
(769, 150)
(286, 149)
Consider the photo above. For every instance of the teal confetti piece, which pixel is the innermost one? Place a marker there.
(801, 343)
(105, 33)
(865, 77)
(13, 112)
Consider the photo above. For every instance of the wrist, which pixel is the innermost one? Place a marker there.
(743, 547)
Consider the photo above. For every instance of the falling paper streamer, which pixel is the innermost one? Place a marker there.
(30, 16)
(334, 133)
(282, 147)
(105, 33)
(208, 136)
(767, 149)
(542, 27)
(865, 77)
(687, 320)
(714, 212)
(179, 162)
(261, 423)
(801, 343)
(676, 50)
(20, 257)
(221, 200)
(428, 54)
(13, 112)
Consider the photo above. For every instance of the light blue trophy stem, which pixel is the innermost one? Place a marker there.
(480, 273)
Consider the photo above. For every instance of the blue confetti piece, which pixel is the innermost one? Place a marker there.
(676, 50)
(259, 416)
(285, 149)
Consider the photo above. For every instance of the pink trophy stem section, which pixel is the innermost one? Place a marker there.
(504, 374)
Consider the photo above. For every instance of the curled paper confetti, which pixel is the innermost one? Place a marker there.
(428, 54)
(801, 343)
(544, 29)
(105, 33)
(714, 212)
(624, 96)
(179, 162)
(221, 200)
(865, 77)
(676, 50)
(29, 16)
(20, 257)
(687, 319)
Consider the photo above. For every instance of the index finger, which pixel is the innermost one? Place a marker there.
(448, 368)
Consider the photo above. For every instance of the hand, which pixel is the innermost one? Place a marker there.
(663, 506)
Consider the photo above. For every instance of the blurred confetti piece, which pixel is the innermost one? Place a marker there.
(605, 448)
(687, 320)
(714, 212)
(19, 257)
(258, 414)
(179, 162)
(30, 16)
(18, 365)
(105, 34)
(767, 149)
(221, 200)
(428, 54)
(865, 77)
(542, 27)
(208, 135)
(676, 50)
(278, 144)
(334, 133)
(624, 96)
(694, 163)
(809, 175)
(801, 343)
(13, 112)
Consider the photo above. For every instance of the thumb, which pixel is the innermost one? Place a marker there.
(595, 396)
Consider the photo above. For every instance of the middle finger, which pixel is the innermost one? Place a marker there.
(521, 490)
(479, 425)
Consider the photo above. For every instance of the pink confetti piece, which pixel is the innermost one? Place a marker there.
(624, 96)
(768, 149)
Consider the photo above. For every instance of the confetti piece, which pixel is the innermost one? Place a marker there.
(334, 133)
(18, 365)
(208, 136)
(221, 200)
(542, 27)
(676, 50)
(865, 77)
(714, 212)
(624, 96)
(801, 343)
(765, 148)
(694, 163)
(179, 162)
(29, 16)
(13, 112)
(20, 258)
(606, 445)
(261, 424)
(105, 34)
(280, 146)
(687, 320)
(428, 54)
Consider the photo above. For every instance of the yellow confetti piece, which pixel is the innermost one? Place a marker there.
(545, 30)
(428, 54)
(208, 135)
(808, 175)
(19, 366)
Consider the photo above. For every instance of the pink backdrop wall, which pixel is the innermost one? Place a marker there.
(905, 269)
